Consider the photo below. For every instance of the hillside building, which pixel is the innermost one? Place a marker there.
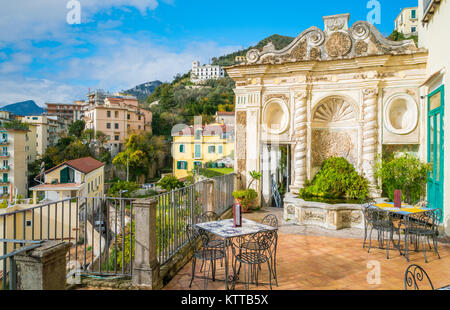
(83, 177)
(118, 117)
(13, 163)
(70, 112)
(207, 72)
(407, 22)
(195, 146)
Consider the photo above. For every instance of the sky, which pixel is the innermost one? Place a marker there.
(119, 44)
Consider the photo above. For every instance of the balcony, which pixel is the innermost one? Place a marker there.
(429, 7)
(5, 168)
(4, 141)
(4, 154)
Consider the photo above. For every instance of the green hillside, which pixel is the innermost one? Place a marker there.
(279, 42)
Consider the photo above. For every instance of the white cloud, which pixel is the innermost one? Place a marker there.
(44, 19)
(39, 90)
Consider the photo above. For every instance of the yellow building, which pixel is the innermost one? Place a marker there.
(195, 146)
(407, 22)
(48, 130)
(13, 163)
(83, 177)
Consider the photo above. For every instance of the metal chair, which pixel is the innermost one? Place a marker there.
(421, 227)
(198, 241)
(272, 220)
(252, 257)
(208, 217)
(366, 203)
(383, 223)
(414, 275)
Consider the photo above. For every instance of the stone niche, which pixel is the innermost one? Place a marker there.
(401, 120)
(275, 116)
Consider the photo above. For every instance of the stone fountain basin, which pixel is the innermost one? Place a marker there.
(329, 216)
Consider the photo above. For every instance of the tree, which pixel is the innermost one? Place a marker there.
(170, 183)
(76, 129)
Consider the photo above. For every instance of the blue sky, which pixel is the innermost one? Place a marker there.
(122, 43)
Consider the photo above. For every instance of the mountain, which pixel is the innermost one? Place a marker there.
(24, 108)
(144, 90)
(277, 40)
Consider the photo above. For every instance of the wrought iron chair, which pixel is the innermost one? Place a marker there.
(208, 217)
(366, 203)
(383, 223)
(272, 220)
(252, 257)
(198, 241)
(414, 275)
(421, 227)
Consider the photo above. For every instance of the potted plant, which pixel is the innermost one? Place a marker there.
(248, 196)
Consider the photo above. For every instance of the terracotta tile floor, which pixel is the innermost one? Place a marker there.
(326, 263)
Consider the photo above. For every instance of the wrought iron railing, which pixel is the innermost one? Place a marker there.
(101, 230)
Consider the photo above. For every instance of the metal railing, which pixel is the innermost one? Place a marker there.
(9, 270)
(101, 230)
(181, 207)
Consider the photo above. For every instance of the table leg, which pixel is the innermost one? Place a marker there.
(226, 263)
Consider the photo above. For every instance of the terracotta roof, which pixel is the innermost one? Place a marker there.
(85, 165)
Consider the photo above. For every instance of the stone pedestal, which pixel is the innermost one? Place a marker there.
(146, 268)
(43, 268)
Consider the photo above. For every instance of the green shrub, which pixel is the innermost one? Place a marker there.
(169, 183)
(403, 172)
(337, 179)
(117, 187)
(246, 197)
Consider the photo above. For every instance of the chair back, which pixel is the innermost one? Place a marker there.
(377, 218)
(258, 246)
(208, 217)
(197, 237)
(414, 276)
(270, 220)
(425, 221)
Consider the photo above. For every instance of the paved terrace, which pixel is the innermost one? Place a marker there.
(311, 258)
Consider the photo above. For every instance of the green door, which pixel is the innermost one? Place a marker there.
(436, 148)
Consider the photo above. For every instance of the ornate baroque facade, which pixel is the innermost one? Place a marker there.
(342, 91)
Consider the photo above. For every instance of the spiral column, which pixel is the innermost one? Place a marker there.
(300, 137)
(370, 137)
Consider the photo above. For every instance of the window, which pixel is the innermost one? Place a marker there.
(116, 138)
(108, 113)
(128, 116)
(198, 134)
(116, 125)
(211, 149)
(413, 29)
(198, 151)
(116, 114)
(182, 165)
(108, 125)
(413, 14)
(220, 149)
(182, 148)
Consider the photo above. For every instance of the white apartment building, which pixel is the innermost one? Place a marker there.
(207, 72)
(407, 22)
